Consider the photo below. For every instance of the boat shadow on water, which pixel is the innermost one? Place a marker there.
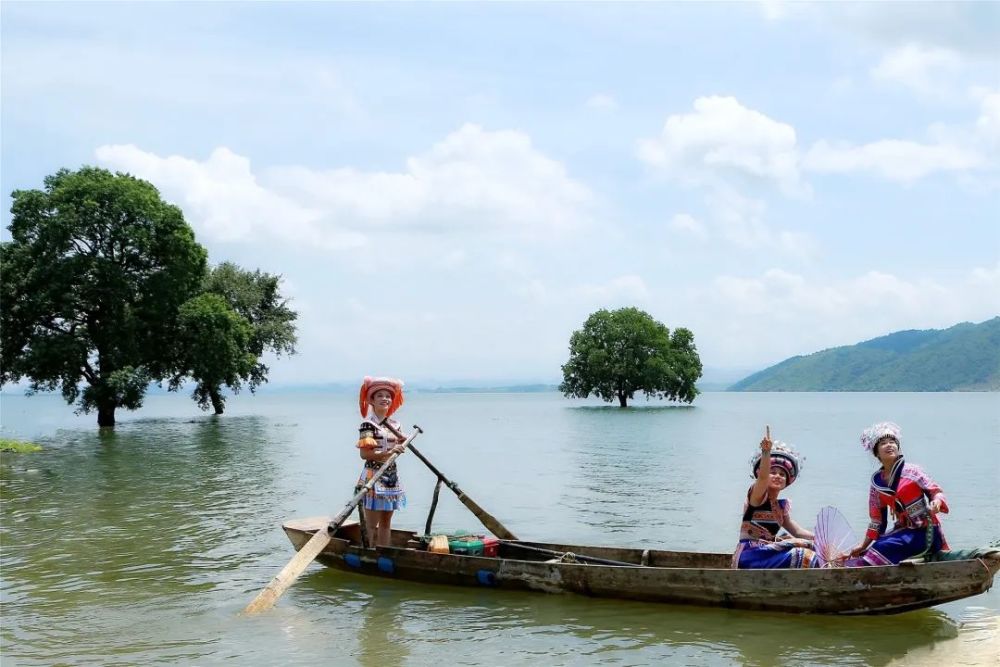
(409, 622)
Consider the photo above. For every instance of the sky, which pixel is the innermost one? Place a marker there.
(450, 189)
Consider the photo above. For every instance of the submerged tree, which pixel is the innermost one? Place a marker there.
(93, 276)
(227, 329)
(620, 352)
(105, 290)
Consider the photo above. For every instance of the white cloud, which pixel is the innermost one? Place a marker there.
(473, 179)
(623, 289)
(222, 198)
(686, 224)
(779, 314)
(740, 221)
(966, 27)
(927, 70)
(602, 102)
(722, 142)
(892, 159)
(988, 123)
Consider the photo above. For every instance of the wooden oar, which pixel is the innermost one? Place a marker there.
(487, 519)
(267, 597)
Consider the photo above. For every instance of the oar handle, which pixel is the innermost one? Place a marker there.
(399, 434)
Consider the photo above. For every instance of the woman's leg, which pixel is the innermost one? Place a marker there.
(371, 523)
(774, 557)
(385, 528)
(897, 546)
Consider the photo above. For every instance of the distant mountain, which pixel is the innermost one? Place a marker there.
(512, 389)
(965, 357)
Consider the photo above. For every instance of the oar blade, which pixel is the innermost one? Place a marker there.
(307, 554)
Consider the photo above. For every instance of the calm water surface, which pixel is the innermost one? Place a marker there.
(141, 546)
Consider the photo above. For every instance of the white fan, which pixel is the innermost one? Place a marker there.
(833, 535)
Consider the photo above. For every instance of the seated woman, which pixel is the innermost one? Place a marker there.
(764, 514)
(914, 498)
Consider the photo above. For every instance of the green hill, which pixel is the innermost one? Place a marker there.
(965, 357)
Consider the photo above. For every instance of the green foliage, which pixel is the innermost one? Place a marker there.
(105, 290)
(18, 446)
(618, 353)
(965, 357)
(214, 339)
(239, 316)
(96, 269)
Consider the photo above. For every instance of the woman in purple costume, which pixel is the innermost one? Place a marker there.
(774, 468)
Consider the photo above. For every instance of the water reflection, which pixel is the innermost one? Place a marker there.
(108, 524)
(141, 546)
(631, 475)
(402, 620)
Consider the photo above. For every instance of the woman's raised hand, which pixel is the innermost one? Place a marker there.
(765, 444)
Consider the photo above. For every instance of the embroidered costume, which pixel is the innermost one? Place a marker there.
(387, 494)
(758, 547)
(917, 531)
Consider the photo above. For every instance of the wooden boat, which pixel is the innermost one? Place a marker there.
(653, 575)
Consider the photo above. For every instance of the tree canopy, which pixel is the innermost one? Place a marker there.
(620, 352)
(227, 329)
(105, 290)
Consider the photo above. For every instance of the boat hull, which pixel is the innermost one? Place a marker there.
(660, 576)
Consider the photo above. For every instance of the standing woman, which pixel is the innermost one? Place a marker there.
(379, 398)
(775, 467)
(914, 498)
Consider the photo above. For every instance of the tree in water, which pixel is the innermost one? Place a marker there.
(227, 329)
(620, 352)
(105, 291)
(93, 276)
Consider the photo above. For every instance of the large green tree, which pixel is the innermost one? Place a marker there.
(620, 352)
(227, 329)
(94, 275)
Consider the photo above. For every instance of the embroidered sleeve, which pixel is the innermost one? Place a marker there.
(928, 486)
(366, 435)
(876, 514)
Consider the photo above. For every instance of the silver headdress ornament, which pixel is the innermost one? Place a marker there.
(871, 435)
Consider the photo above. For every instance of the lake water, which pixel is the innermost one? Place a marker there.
(141, 546)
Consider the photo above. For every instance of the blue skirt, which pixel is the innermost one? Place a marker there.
(897, 546)
(387, 495)
(760, 555)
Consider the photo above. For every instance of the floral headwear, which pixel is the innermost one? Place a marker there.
(371, 385)
(871, 435)
(782, 456)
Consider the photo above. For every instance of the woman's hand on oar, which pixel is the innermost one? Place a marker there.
(267, 597)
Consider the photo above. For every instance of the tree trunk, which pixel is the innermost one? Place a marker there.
(622, 400)
(217, 401)
(106, 415)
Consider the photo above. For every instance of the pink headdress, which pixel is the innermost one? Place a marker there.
(371, 385)
(871, 435)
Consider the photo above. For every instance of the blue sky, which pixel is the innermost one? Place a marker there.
(449, 190)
